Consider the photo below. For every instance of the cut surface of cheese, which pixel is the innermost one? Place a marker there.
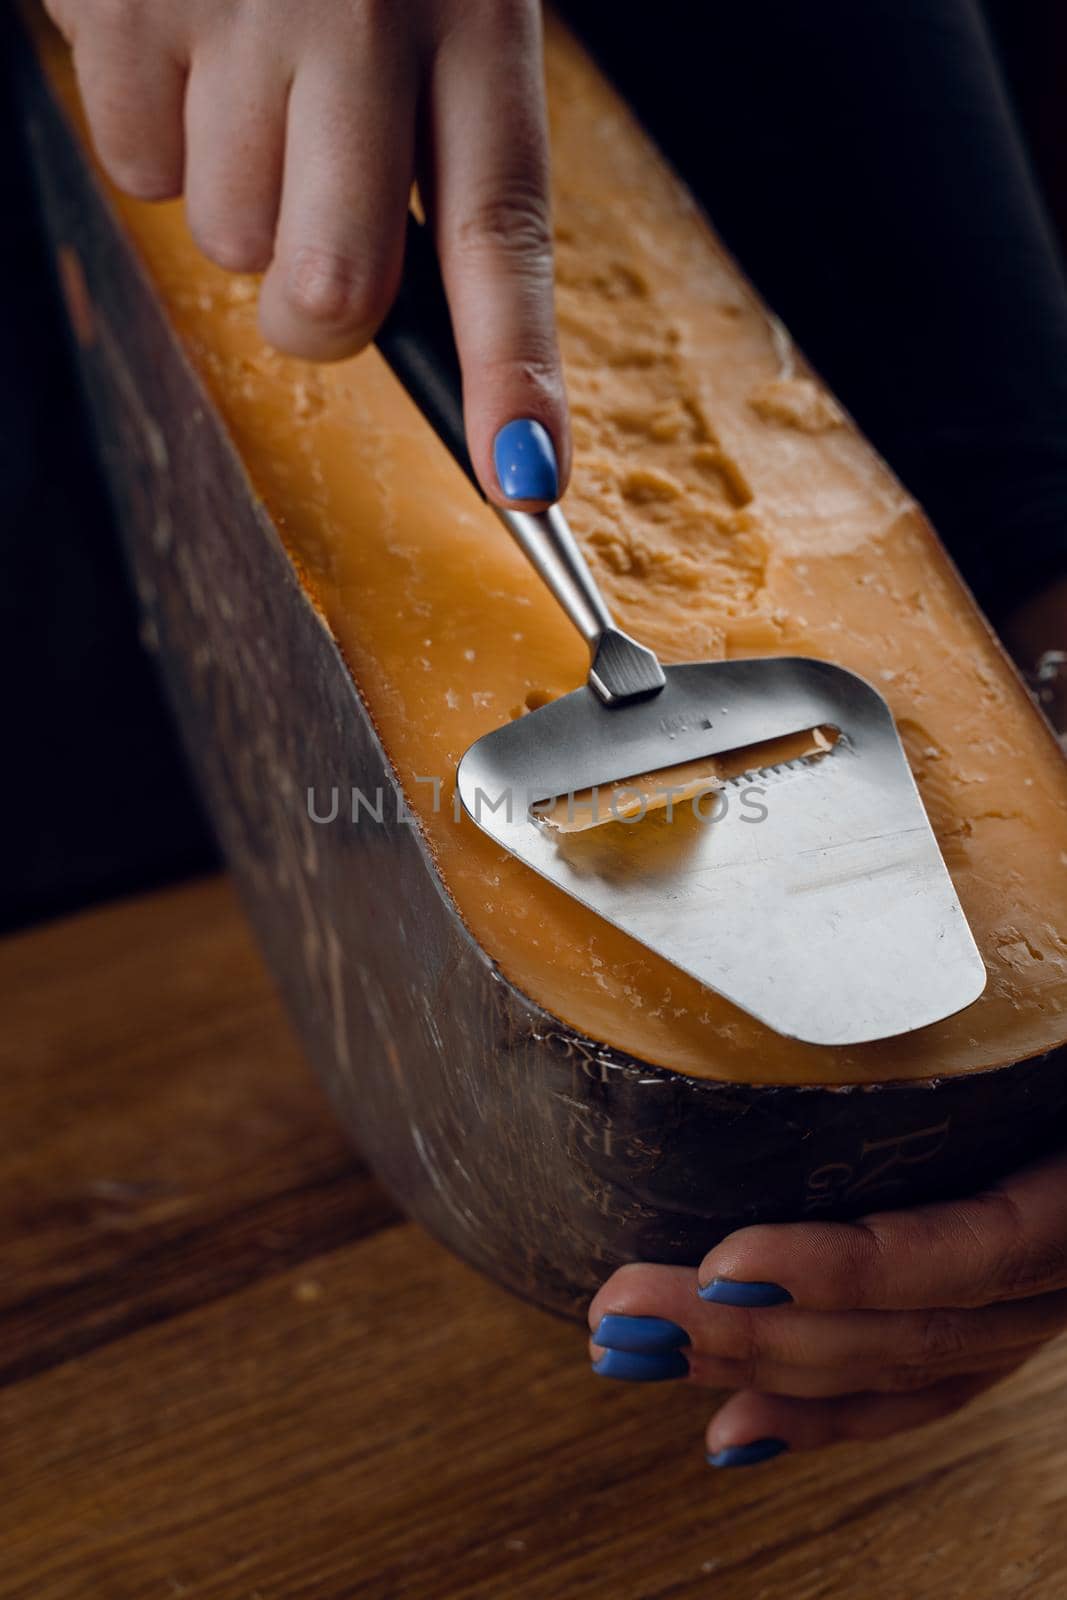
(728, 507)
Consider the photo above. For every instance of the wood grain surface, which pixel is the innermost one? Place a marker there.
(230, 1371)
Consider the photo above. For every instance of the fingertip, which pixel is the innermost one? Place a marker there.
(752, 1454)
(151, 184)
(750, 1418)
(517, 423)
(741, 1257)
(234, 250)
(639, 1288)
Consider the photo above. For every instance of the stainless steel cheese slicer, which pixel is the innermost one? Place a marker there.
(831, 917)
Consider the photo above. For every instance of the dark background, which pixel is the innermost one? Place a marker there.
(96, 799)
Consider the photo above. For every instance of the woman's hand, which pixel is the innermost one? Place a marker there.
(855, 1330)
(295, 129)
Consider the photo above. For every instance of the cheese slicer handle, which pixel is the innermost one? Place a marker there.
(416, 340)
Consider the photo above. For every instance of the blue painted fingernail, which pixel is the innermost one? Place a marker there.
(525, 461)
(643, 1335)
(748, 1455)
(635, 1366)
(732, 1292)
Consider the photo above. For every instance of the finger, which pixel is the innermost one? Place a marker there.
(235, 108)
(489, 195)
(1006, 1243)
(753, 1348)
(132, 85)
(768, 1376)
(752, 1427)
(814, 1383)
(347, 174)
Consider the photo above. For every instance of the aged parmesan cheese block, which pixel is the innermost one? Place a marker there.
(544, 1093)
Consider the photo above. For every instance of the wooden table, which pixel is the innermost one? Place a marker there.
(232, 1371)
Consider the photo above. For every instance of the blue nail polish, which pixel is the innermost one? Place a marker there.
(748, 1455)
(732, 1292)
(525, 461)
(643, 1335)
(636, 1367)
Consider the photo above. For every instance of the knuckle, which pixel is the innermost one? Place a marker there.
(516, 223)
(332, 290)
(534, 371)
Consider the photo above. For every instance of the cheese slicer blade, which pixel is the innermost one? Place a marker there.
(823, 907)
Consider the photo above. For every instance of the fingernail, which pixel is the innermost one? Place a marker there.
(525, 461)
(641, 1335)
(637, 1367)
(748, 1455)
(732, 1292)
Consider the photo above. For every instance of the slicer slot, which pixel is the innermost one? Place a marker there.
(630, 799)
